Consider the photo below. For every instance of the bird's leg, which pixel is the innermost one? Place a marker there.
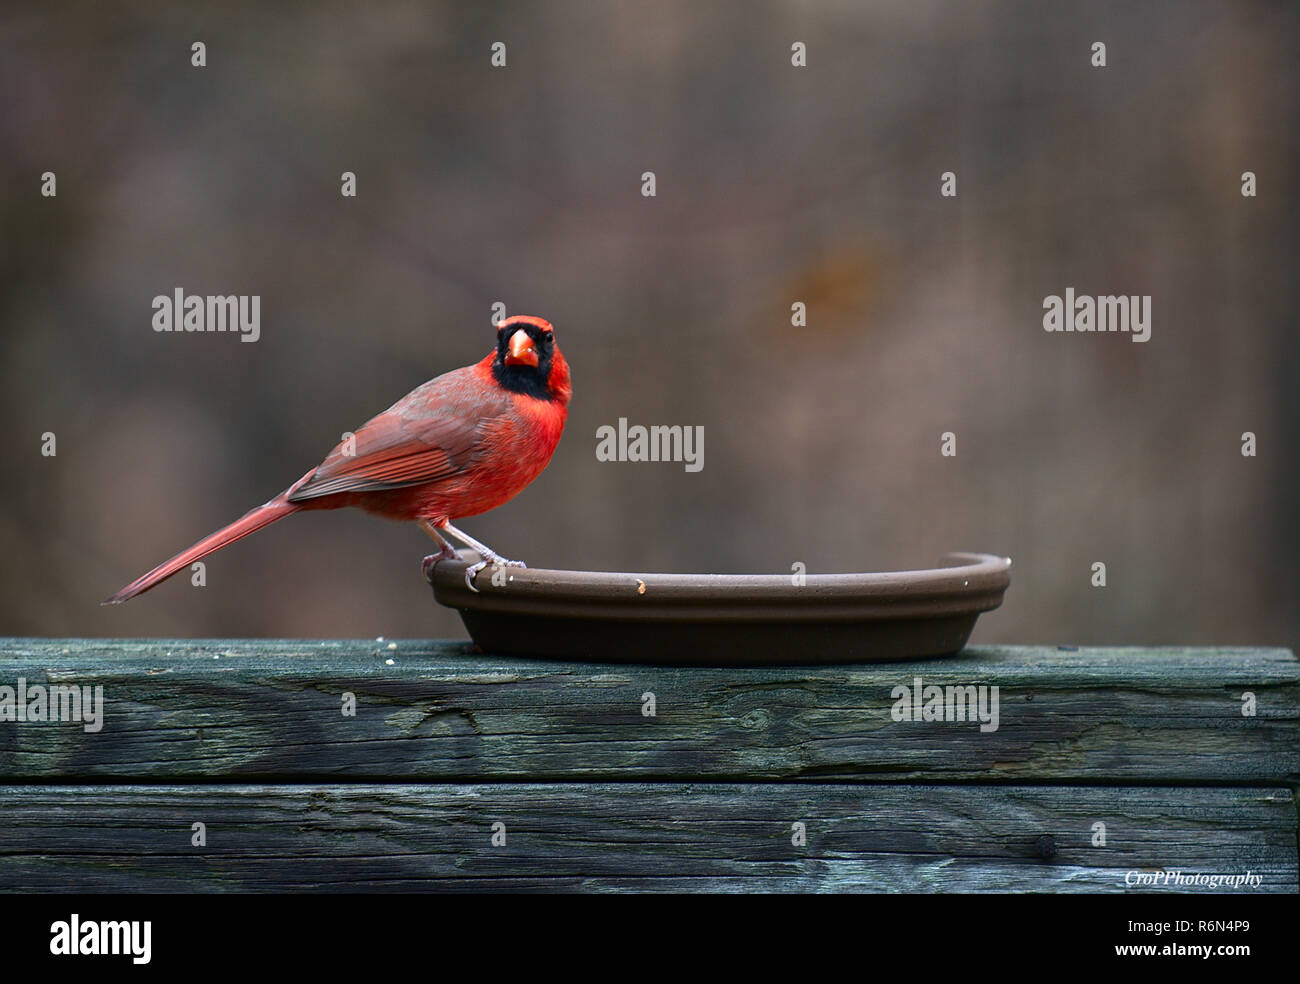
(445, 550)
(489, 555)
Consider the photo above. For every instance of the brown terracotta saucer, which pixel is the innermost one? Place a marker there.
(717, 619)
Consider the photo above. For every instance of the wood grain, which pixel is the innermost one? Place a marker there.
(271, 711)
(638, 836)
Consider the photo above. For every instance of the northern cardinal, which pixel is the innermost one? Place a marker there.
(456, 446)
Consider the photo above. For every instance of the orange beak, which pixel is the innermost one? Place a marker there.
(522, 351)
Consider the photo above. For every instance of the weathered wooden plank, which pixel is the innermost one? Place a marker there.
(644, 837)
(261, 709)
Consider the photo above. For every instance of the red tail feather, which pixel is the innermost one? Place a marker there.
(250, 522)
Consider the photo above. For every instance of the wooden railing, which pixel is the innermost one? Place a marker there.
(413, 765)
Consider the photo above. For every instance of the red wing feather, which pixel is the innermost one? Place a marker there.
(430, 435)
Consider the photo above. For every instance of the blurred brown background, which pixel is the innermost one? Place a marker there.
(775, 184)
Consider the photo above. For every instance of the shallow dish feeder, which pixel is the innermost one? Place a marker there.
(713, 619)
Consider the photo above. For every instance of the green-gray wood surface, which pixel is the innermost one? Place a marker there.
(250, 738)
(273, 709)
(643, 836)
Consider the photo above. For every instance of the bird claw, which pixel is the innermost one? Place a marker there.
(430, 562)
(472, 571)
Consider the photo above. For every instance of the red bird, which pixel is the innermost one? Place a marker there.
(456, 446)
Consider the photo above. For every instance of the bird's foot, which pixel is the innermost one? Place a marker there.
(472, 571)
(427, 565)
